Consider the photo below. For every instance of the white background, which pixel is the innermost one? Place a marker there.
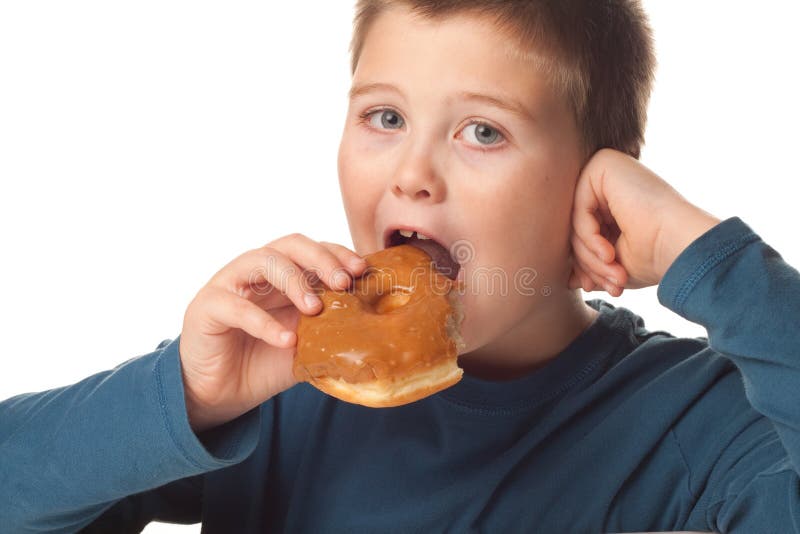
(144, 145)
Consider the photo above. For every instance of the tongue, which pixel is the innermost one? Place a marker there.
(441, 258)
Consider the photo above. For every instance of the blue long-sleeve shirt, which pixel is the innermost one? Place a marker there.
(626, 430)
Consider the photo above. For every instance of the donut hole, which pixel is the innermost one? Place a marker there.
(392, 301)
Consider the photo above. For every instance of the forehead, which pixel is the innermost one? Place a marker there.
(450, 54)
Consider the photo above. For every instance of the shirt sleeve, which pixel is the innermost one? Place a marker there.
(748, 299)
(119, 442)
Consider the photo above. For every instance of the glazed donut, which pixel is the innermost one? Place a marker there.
(392, 338)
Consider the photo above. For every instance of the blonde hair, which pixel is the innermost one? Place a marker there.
(598, 54)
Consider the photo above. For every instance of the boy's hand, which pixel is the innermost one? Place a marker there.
(239, 333)
(628, 225)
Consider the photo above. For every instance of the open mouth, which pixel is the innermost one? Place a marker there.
(442, 260)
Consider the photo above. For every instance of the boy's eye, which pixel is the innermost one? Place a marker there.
(478, 133)
(385, 119)
(482, 133)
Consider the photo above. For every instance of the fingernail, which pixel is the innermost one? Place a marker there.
(613, 280)
(357, 263)
(286, 336)
(341, 279)
(311, 301)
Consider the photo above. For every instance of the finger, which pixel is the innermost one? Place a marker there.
(577, 278)
(245, 275)
(314, 257)
(588, 204)
(600, 283)
(225, 310)
(355, 263)
(267, 273)
(585, 282)
(611, 272)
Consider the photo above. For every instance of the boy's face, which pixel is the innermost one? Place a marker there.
(500, 191)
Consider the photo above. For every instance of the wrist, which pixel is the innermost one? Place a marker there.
(684, 227)
(193, 414)
(201, 417)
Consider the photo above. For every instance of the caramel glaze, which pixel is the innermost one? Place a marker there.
(391, 321)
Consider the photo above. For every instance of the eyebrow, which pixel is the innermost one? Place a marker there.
(364, 88)
(507, 104)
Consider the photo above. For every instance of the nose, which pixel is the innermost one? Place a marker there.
(416, 177)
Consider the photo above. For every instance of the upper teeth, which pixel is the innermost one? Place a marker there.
(409, 233)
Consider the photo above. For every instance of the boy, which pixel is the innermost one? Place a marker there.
(479, 122)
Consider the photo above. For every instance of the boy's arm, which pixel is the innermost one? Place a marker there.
(71, 453)
(748, 299)
(177, 502)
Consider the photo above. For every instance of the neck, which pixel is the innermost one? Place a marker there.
(535, 340)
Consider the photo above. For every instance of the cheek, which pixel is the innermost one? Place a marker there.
(347, 172)
(515, 194)
(362, 156)
(360, 190)
(533, 207)
(547, 229)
